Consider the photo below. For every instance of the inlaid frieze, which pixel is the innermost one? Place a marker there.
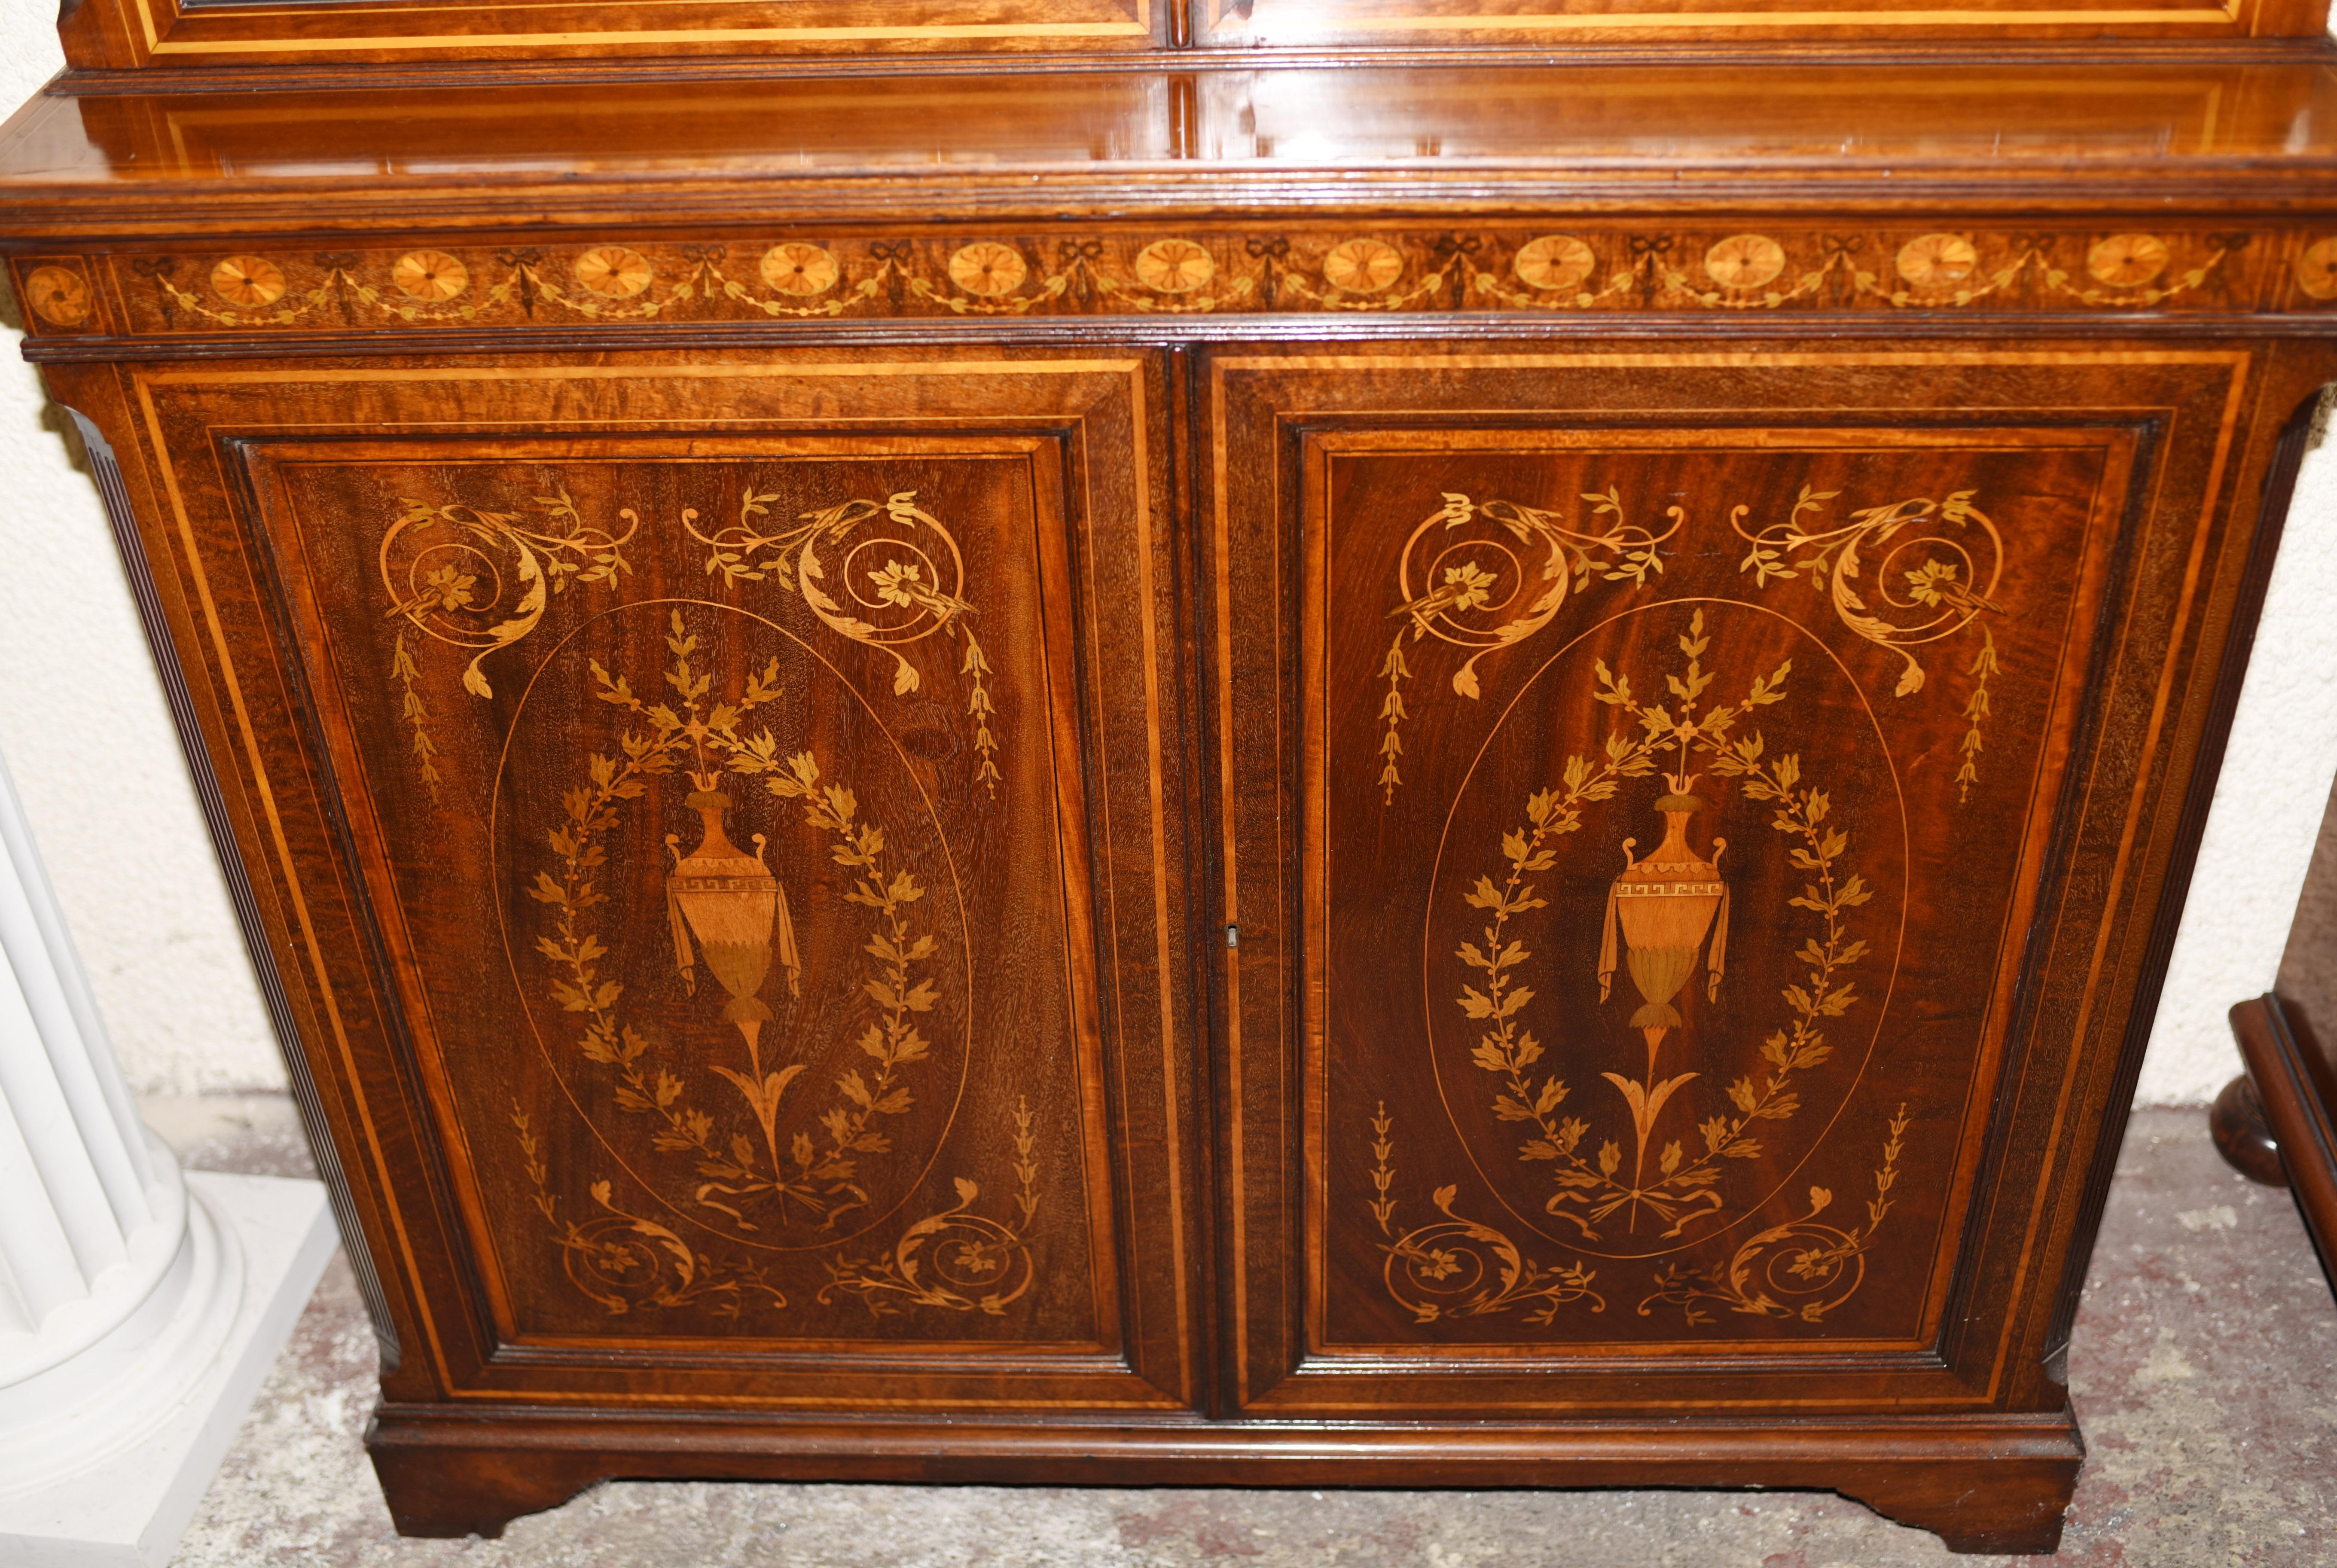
(1546, 270)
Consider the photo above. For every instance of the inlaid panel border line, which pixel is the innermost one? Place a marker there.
(1382, 436)
(1155, 798)
(1446, 354)
(2273, 499)
(390, 925)
(1199, 60)
(711, 370)
(2239, 365)
(271, 817)
(162, 24)
(283, 1019)
(2133, 446)
(1220, 35)
(1136, 332)
(1236, 1251)
(1955, 438)
(145, 383)
(1752, 21)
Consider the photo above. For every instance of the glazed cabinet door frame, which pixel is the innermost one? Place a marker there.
(176, 36)
(2129, 739)
(240, 477)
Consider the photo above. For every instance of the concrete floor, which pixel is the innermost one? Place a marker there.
(2204, 1369)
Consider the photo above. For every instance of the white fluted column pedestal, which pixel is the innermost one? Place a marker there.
(139, 1305)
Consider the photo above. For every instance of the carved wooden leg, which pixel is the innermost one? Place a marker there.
(2241, 1136)
(1988, 1506)
(448, 1492)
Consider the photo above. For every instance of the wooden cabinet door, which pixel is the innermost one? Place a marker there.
(709, 816)
(1694, 820)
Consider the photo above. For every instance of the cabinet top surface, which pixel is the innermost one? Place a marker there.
(2206, 136)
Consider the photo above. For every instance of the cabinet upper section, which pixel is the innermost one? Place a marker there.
(180, 33)
(1254, 152)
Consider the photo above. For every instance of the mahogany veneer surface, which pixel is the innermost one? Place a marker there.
(1416, 774)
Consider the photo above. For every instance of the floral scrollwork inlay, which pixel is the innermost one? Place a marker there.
(759, 1143)
(1935, 569)
(748, 1171)
(1439, 1269)
(883, 574)
(1804, 1268)
(415, 711)
(444, 567)
(1665, 1183)
(903, 585)
(1223, 269)
(1462, 580)
(628, 1263)
(1935, 271)
(979, 1263)
(1360, 274)
(1983, 667)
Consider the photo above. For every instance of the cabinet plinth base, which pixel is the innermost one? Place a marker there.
(1996, 1484)
(1984, 1505)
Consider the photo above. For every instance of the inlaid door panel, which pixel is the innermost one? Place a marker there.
(745, 781)
(1680, 826)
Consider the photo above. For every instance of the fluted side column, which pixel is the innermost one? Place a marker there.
(92, 1212)
(139, 1308)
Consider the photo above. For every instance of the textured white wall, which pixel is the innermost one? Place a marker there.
(2268, 807)
(86, 732)
(83, 727)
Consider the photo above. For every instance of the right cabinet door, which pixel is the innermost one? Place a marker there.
(1693, 821)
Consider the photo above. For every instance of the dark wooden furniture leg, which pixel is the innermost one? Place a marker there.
(2243, 1137)
(2294, 1082)
(1981, 1507)
(446, 1493)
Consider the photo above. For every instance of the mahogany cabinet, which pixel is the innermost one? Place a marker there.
(1427, 774)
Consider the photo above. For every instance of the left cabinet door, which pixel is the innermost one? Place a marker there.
(707, 819)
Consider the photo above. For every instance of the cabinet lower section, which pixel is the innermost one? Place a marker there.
(1538, 912)
(1981, 1485)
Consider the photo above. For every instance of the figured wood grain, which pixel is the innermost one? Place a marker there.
(171, 35)
(2205, 136)
(1476, 1276)
(165, 34)
(1253, 24)
(1189, 505)
(565, 1265)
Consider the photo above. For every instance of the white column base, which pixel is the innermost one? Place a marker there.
(121, 1474)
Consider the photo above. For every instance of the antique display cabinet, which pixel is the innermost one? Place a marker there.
(1300, 742)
